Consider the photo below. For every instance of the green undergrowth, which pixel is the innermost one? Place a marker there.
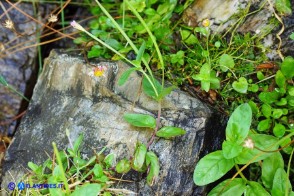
(230, 70)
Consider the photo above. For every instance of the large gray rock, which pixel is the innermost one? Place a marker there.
(68, 96)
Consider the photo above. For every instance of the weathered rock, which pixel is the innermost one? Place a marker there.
(68, 96)
(16, 61)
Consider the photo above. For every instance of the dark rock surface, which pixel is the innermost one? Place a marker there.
(68, 96)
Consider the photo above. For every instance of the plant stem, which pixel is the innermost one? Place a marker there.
(157, 125)
(288, 172)
(241, 174)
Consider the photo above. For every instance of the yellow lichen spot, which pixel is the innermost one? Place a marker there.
(206, 23)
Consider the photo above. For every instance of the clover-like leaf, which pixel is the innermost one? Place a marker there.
(241, 85)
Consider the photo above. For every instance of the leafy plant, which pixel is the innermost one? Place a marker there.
(151, 87)
(77, 176)
(243, 146)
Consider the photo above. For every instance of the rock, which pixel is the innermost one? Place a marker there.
(68, 96)
(16, 61)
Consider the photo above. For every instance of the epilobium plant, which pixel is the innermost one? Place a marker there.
(143, 158)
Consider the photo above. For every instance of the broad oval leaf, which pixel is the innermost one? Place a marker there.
(255, 189)
(152, 160)
(168, 132)
(262, 141)
(87, 189)
(226, 188)
(280, 183)
(211, 168)
(287, 67)
(239, 124)
(139, 156)
(231, 149)
(269, 168)
(226, 61)
(123, 166)
(125, 76)
(140, 120)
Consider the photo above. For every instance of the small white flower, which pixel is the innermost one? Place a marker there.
(52, 18)
(8, 24)
(248, 143)
(257, 31)
(77, 26)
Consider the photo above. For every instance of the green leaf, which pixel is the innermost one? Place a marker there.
(140, 120)
(98, 170)
(287, 67)
(280, 79)
(253, 88)
(255, 189)
(3, 81)
(281, 181)
(167, 132)
(264, 125)
(236, 188)
(148, 89)
(211, 168)
(282, 102)
(96, 51)
(217, 44)
(239, 124)
(166, 91)
(283, 7)
(87, 189)
(125, 75)
(139, 156)
(279, 130)
(269, 167)
(226, 61)
(141, 51)
(277, 113)
(266, 110)
(260, 75)
(139, 5)
(241, 85)
(109, 159)
(152, 160)
(204, 77)
(231, 149)
(178, 57)
(263, 142)
(188, 37)
(77, 144)
(123, 166)
(292, 36)
(269, 97)
(202, 30)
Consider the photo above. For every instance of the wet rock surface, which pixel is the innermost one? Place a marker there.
(68, 96)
